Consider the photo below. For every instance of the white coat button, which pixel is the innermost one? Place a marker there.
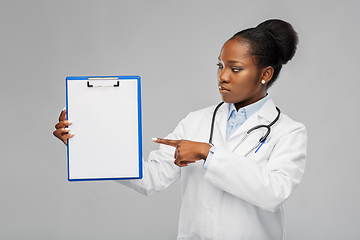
(211, 209)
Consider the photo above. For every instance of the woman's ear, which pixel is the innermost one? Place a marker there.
(266, 74)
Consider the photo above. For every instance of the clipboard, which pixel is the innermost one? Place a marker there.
(106, 115)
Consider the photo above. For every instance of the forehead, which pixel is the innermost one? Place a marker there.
(235, 50)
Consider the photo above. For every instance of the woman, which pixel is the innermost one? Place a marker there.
(231, 189)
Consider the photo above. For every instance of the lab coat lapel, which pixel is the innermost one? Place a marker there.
(220, 125)
(268, 112)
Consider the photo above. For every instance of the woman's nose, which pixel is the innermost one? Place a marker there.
(223, 77)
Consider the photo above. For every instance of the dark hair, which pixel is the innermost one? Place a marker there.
(272, 43)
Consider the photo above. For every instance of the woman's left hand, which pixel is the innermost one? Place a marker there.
(186, 151)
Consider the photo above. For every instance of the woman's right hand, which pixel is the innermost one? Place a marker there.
(62, 128)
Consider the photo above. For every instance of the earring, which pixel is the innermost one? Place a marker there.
(263, 81)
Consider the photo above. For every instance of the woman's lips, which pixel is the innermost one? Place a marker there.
(223, 90)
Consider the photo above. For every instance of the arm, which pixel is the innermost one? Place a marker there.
(266, 186)
(159, 171)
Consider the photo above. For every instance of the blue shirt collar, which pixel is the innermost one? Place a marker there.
(250, 109)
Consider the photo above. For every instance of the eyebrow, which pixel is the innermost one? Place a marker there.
(230, 62)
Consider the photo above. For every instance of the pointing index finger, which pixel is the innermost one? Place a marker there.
(169, 142)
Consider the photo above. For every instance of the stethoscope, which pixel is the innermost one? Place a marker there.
(261, 140)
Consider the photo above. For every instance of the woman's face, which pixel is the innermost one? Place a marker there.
(238, 77)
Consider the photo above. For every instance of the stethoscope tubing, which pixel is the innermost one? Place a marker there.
(261, 140)
(213, 122)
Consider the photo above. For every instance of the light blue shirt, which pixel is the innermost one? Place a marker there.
(235, 119)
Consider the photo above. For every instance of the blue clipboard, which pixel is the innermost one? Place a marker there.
(106, 115)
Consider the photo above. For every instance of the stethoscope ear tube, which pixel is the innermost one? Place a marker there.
(263, 138)
(212, 123)
(260, 126)
(277, 117)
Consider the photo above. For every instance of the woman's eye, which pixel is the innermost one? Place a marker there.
(219, 65)
(236, 69)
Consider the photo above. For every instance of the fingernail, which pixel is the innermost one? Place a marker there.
(69, 121)
(67, 129)
(72, 133)
(64, 108)
(154, 139)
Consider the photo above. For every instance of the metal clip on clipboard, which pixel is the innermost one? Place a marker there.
(103, 82)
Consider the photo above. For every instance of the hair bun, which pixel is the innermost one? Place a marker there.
(285, 36)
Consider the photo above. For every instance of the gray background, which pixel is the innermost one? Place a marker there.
(173, 46)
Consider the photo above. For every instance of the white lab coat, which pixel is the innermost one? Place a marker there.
(237, 197)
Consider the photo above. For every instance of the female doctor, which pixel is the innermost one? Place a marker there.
(232, 186)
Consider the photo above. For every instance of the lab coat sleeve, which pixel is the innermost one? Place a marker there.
(265, 186)
(159, 171)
